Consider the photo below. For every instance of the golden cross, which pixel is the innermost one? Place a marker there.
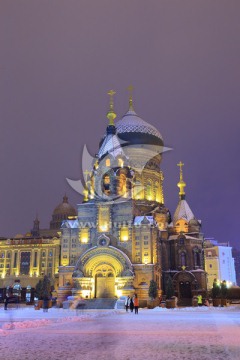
(130, 89)
(180, 164)
(111, 93)
(183, 267)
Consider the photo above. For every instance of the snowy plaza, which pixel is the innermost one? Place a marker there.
(181, 333)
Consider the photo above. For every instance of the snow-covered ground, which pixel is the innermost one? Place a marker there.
(182, 333)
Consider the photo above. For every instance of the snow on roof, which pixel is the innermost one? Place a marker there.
(72, 224)
(183, 211)
(111, 145)
(131, 123)
(141, 220)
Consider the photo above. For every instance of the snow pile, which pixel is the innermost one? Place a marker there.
(44, 322)
(26, 324)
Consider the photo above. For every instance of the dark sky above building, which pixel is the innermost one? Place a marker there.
(58, 60)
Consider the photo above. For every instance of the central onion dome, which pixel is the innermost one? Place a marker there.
(134, 130)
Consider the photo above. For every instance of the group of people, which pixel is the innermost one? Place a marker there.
(132, 303)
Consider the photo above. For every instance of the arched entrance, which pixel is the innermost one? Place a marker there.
(185, 289)
(184, 282)
(104, 269)
(104, 281)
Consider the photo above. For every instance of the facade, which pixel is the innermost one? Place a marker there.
(27, 259)
(219, 264)
(236, 256)
(123, 236)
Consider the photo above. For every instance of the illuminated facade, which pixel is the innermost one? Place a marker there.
(31, 256)
(219, 264)
(123, 236)
(28, 259)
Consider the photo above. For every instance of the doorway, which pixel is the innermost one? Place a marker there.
(185, 289)
(104, 285)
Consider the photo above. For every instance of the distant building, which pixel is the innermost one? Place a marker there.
(236, 256)
(62, 212)
(28, 259)
(31, 256)
(219, 263)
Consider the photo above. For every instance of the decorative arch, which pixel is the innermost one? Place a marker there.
(92, 258)
(184, 282)
(184, 276)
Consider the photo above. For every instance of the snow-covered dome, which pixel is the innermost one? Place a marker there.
(134, 130)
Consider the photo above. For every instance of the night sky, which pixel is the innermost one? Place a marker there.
(58, 60)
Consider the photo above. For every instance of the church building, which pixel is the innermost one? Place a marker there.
(123, 235)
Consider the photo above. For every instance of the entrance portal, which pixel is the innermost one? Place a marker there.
(185, 289)
(105, 286)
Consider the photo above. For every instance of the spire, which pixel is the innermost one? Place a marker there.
(65, 199)
(130, 89)
(35, 230)
(181, 184)
(111, 115)
(36, 222)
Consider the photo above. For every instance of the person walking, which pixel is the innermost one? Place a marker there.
(7, 297)
(131, 304)
(136, 304)
(6, 301)
(127, 303)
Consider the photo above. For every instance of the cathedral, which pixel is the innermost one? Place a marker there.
(124, 235)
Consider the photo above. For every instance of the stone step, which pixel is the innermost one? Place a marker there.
(100, 303)
(185, 302)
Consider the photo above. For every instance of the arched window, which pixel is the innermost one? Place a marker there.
(122, 185)
(106, 184)
(197, 260)
(183, 258)
(137, 190)
(149, 190)
(120, 162)
(157, 191)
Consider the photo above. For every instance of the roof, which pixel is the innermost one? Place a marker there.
(183, 211)
(143, 220)
(132, 123)
(65, 208)
(70, 224)
(111, 145)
